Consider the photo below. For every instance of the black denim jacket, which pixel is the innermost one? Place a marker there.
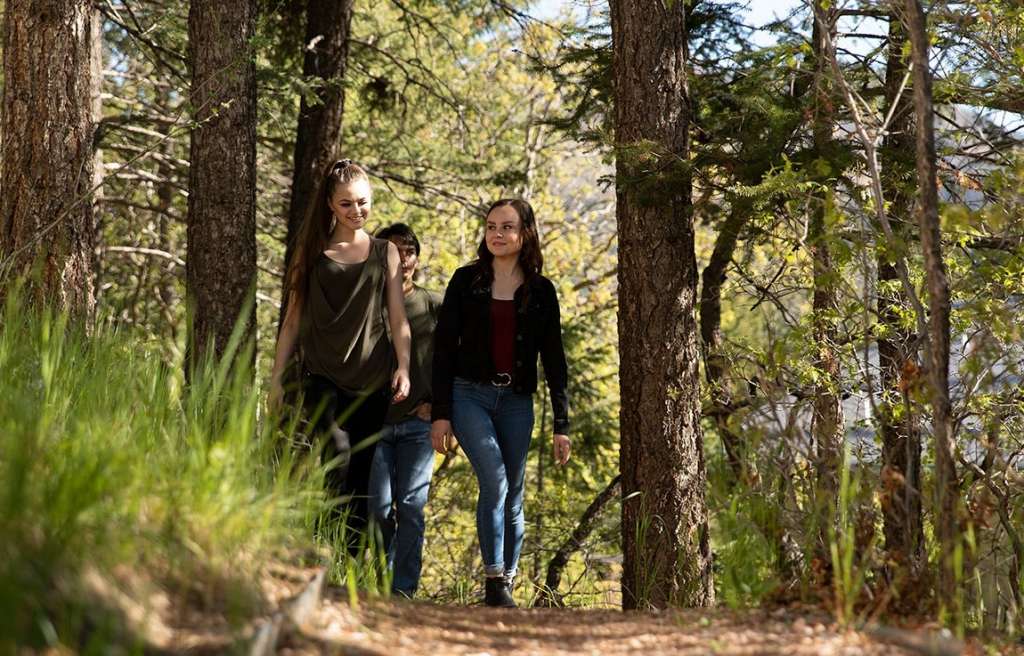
(462, 342)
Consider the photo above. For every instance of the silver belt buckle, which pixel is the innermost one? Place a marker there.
(501, 380)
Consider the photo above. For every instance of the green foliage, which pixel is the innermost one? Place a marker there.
(849, 562)
(107, 462)
(453, 104)
(745, 567)
(582, 69)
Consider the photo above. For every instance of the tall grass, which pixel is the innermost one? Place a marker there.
(850, 566)
(106, 462)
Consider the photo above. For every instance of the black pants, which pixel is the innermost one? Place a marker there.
(350, 425)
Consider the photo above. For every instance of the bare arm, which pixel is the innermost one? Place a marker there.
(286, 341)
(401, 335)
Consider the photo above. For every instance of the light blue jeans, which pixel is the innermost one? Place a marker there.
(494, 425)
(399, 483)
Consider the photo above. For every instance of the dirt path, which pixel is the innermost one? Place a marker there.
(407, 628)
(377, 627)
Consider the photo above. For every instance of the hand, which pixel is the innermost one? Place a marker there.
(275, 396)
(423, 411)
(441, 435)
(561, 445)
(400, 385)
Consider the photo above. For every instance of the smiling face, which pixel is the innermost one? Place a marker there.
(502, 232)
(351, 202)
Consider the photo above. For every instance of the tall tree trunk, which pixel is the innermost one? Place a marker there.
(947, 493)
(827, 418)
(318, 135)
(46, 167)
(901, 439)
(221, 265)
(664, 516)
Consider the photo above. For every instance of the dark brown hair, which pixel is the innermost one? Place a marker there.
(530, 258)
(403, 233)
(317, 226)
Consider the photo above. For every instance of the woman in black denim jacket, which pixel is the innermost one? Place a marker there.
(498, 314)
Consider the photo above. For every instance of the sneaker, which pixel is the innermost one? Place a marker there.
(497, 592)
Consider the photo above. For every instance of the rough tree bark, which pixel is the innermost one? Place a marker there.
(947, 493)
(46, 166)
(897, 351)
(667, 556)
(827, 418)
(221, 264)
(318, 135)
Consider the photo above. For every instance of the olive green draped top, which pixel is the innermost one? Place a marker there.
(342, 333)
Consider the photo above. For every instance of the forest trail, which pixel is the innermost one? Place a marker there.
(302, 616)
(323, 620)
(407, 628)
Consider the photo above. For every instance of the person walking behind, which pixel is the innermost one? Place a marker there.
(404, 460)
(342, 286)
(498, 313)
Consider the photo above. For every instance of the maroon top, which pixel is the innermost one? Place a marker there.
(503, 335)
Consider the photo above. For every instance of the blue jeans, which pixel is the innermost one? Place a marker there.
(399, 483)
(493, 426)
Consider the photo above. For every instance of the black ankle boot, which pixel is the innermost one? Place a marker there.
(497, 592)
